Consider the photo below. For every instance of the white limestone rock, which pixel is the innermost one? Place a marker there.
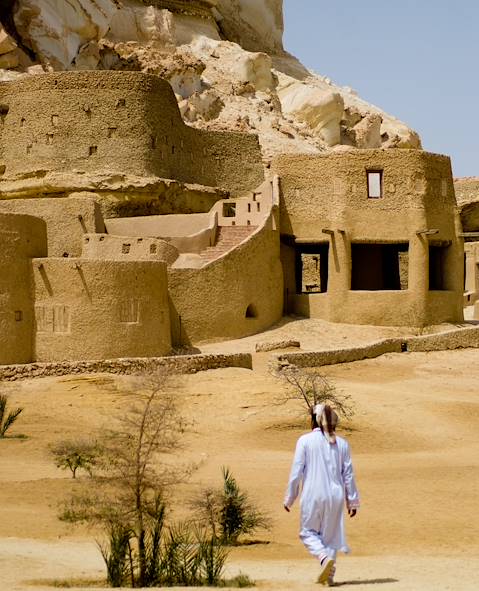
(241, 79)
(256, 25)
(255, 69)
(321, 111)
(142, 23)
(367, 133)
(55, 30)
(9, 61)
(7, 44)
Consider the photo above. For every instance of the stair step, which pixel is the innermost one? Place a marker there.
(227, 238)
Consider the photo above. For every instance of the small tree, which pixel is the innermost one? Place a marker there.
(228, 512)
(75, 455)
(312, 388)
(7, 418)
(129, 504)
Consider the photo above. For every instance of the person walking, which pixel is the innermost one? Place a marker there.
(322, 464)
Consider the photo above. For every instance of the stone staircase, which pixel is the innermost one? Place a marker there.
(227, 238)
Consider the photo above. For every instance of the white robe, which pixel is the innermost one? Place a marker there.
(326, 472)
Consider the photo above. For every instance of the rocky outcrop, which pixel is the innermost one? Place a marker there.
(467, 195)
(223, 58)
(256, 25)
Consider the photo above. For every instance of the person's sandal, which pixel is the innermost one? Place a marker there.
(331, 577)
(327, 565)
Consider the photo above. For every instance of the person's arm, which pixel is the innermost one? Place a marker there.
(295, 476)
(352, 494)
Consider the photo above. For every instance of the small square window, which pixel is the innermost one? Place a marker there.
(18, 316)
(375, 184)
(125, 249)
(229, 210)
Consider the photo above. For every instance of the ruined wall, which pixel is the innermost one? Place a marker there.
(124, 123)
(331, 193)
(67, 220)
(21, 237)
(236, 295)
(100, 309)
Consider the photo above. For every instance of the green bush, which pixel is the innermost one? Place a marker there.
(7, 418)
(75, 455)
(229, 512)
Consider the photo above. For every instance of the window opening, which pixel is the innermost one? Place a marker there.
(251, 311)
(125, 249)
(312, 268)
(3, 112)
(130, 311)
(375, 184)
(379, 267)
(229, 210)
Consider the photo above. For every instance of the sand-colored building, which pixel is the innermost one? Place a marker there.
(371, 237)
(124, 232)
(467, 194)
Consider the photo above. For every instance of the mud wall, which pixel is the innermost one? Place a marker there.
(100, 309)
(21, 237)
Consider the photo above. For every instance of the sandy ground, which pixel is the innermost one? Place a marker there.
(415, 449)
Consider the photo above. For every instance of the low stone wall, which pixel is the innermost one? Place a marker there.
(454, 339)
(333, 356)
(181, 364)
(275, 345)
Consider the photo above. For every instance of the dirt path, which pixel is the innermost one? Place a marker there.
(415, 448)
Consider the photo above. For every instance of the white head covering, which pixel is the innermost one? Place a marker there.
(327, 420)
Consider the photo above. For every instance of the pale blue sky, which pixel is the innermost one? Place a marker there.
(416, 59)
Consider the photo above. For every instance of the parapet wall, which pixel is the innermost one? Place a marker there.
(127, 248)
(124, 123)
(100, 309)
(238, 294)
(67, 220)
(21, 238)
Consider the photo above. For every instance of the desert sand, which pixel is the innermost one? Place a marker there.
(415, 450)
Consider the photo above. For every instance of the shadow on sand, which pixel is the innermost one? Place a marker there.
(365, 582)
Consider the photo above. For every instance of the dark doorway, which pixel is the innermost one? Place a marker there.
(312, 263)
(437, 264)
(379, 267)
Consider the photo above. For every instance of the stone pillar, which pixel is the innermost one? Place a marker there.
(418, 284)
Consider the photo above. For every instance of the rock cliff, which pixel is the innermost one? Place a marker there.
(224, 59)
